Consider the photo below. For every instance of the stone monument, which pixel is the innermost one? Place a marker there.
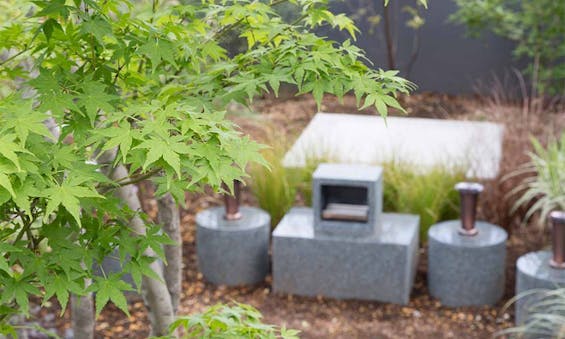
(541, 269)
(466, 259)
(232, 244)
(344, 246)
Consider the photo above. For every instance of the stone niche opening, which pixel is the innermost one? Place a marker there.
(344, 203)
(346, 200)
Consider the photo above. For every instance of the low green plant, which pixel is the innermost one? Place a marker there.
(545, 316)
(546, 188)
(429, 194)
(230, 321)
(274, 186)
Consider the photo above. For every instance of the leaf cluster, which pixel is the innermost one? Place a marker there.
(230, 321)
(535, 25)
(544, 189)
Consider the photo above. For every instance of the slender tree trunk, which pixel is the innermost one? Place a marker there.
(390, 44)
(155, 292)
(169, 218)
(82, 316)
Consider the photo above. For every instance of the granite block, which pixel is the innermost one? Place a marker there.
(376, 267)
(466, 270)
(233, 252)
(346, 183)
(533, 272)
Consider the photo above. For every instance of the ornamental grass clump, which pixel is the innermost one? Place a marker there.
(545, 317)
(429, 194)
(544, 191)
(274, 186)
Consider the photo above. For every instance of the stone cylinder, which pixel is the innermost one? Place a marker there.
(233, 252)
(464, 270)
(533, 271)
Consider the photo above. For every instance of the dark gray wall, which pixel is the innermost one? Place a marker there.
(448, 61)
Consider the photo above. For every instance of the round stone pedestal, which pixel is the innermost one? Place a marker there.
(466, 270)
(233, 252)
(533, 272)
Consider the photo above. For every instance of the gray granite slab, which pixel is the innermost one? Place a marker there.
(376, 267)
(333, 177)
(466, 270)
(233, 252)
(533, 272)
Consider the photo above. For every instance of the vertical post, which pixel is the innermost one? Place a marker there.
(469, 193)
(558, 239)
(231, 202)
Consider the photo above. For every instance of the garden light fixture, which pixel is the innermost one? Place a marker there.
(558, 239)
(469, 193)
(231, 202)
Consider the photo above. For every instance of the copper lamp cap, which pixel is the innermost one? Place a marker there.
(558, 239)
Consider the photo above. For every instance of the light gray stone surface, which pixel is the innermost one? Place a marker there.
(360, 176)
(533, 272)
(422, 144)
(466, 270)
(233, 252)
(376, 267)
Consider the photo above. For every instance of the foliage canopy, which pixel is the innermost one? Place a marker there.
(148, 81)
(535, 25)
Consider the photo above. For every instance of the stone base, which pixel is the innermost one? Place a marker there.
(233, 252)
(533, 272)
(377, 267)
(466, 270)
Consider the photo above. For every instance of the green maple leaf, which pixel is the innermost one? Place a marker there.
(51, 95)
(7, 184)
(4, 266)
(158, 50)
(111, 289)
(67, 196)
(244, 150)
(162, 149)
(18, 289)
(155, 239)
(140, 267)
(95, 98)
(58, 286)
(98, 27)
(8, 149)
(118, 136)
(21, 117)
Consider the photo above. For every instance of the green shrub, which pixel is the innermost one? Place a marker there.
(235, 321)
(547, 187)
(545, 318)
(535, 25)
